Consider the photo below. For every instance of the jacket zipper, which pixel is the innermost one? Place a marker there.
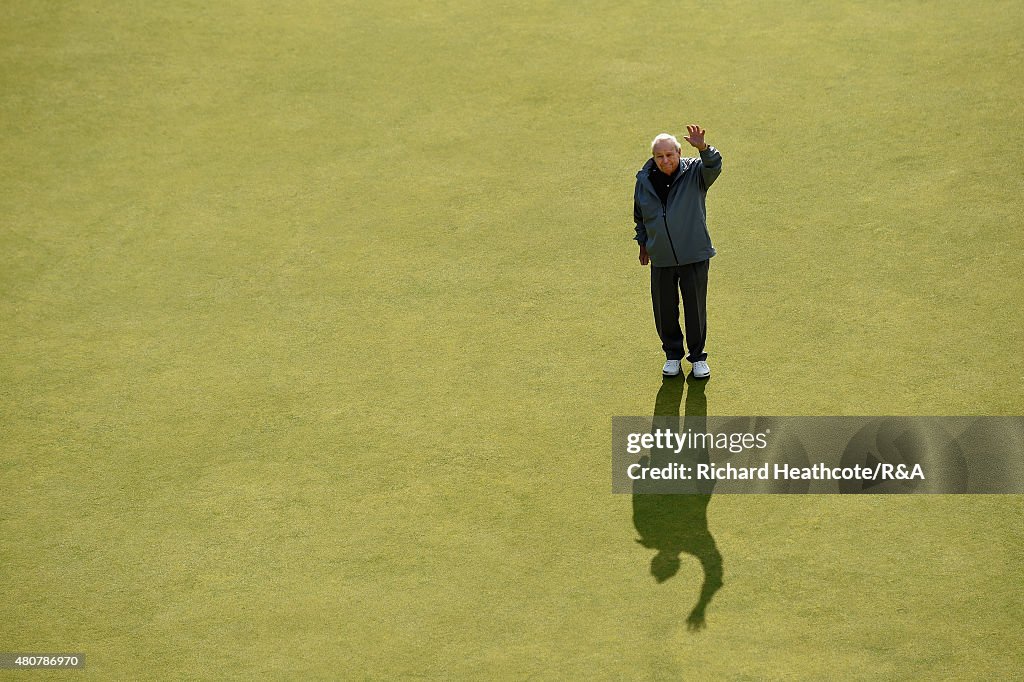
(664, 216)
(670, 242)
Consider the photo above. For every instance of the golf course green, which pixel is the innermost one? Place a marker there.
(314, 318)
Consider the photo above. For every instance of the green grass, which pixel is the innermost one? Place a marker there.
(315, 317)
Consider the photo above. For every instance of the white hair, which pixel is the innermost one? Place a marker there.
(661, 138)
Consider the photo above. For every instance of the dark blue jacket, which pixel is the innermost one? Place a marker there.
(676, 232)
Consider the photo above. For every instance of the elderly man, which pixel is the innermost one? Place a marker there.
(671, 228)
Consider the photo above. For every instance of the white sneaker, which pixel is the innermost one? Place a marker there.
(671, 368)
(701, 370)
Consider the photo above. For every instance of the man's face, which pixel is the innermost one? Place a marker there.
(666, 156)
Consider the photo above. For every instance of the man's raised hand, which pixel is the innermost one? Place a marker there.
(696, 137)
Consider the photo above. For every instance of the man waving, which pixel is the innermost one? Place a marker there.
(671, 228)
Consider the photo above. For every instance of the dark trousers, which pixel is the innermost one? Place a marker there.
(666, 284)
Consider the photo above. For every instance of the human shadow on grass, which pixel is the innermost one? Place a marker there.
(678, 523)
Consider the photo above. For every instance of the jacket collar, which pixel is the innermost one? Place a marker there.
(645, 172)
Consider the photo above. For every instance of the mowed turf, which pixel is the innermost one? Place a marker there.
(315, 317)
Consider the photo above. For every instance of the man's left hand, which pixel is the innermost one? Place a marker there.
(696, 137)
